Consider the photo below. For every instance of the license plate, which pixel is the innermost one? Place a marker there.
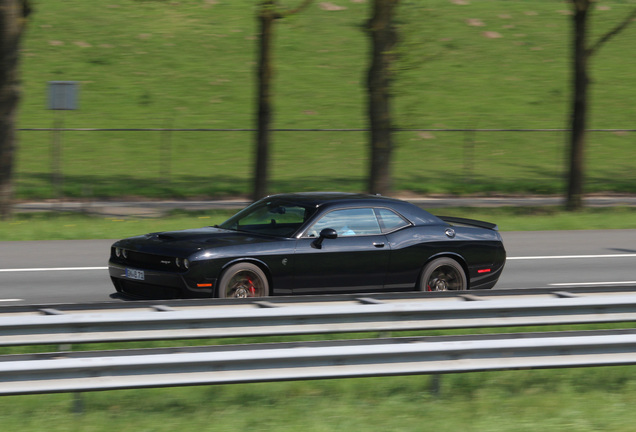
(135, 274)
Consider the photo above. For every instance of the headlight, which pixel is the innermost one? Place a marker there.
(124, 253)
(182, 263)
(117, 252)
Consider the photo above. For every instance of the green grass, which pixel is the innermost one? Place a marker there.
(149, 64)
(573, 400)
(549, 218)
(68, 226)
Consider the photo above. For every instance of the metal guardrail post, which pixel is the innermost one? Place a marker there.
(436, 385)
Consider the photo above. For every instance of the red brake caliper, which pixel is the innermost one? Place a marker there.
(251, 288)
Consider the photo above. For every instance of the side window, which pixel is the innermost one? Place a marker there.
(348, 222)
(390, 221)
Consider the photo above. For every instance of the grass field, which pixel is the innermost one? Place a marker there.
(190, 64)
(581, 400)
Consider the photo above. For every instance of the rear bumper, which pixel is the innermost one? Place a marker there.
(486, 280)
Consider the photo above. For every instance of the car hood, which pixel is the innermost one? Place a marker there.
(192, 240)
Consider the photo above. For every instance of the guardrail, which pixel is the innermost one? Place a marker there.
(135, 368)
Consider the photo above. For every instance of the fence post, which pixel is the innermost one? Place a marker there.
(166, 152)
(469, 155)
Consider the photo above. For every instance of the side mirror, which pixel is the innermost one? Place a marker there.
(327, 233)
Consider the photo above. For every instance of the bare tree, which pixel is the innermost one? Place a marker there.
(578, 121)
(13, 14)
(269, 11)
(383, 40)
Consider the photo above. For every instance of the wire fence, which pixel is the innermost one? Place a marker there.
(205, 161)
(303, 130)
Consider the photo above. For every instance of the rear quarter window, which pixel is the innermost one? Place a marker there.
(389, 220)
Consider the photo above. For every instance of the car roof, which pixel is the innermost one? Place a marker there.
(321, 198)
(327, 200)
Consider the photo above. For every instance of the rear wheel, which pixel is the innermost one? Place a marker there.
(443, 274)
(242, 281)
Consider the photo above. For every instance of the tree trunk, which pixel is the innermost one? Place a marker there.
(383, 39)
(579, 108)
(13, 15)
(264, 115)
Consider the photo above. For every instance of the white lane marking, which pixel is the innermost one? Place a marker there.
(593, 283)
(11, 300)
(572, 257)
(51, 269)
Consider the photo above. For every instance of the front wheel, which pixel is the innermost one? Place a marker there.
(443, 274)
(243, 280)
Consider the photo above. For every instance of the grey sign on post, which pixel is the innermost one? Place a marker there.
(63, 95)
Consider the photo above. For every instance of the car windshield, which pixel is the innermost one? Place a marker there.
(271, 218)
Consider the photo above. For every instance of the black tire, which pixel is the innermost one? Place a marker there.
(243, 280)
(443, 274)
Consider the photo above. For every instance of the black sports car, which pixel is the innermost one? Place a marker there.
(312, 243)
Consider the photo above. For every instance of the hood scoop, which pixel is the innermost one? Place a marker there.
(164, 236)
(160, 236)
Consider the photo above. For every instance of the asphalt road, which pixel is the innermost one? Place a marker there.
(42, 272)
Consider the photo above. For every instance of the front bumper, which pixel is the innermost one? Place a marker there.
(157, 284)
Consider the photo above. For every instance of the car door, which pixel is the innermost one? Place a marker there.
(355, 261)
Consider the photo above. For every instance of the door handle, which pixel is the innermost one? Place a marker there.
(378, 244)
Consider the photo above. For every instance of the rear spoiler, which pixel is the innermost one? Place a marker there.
(469, 222)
